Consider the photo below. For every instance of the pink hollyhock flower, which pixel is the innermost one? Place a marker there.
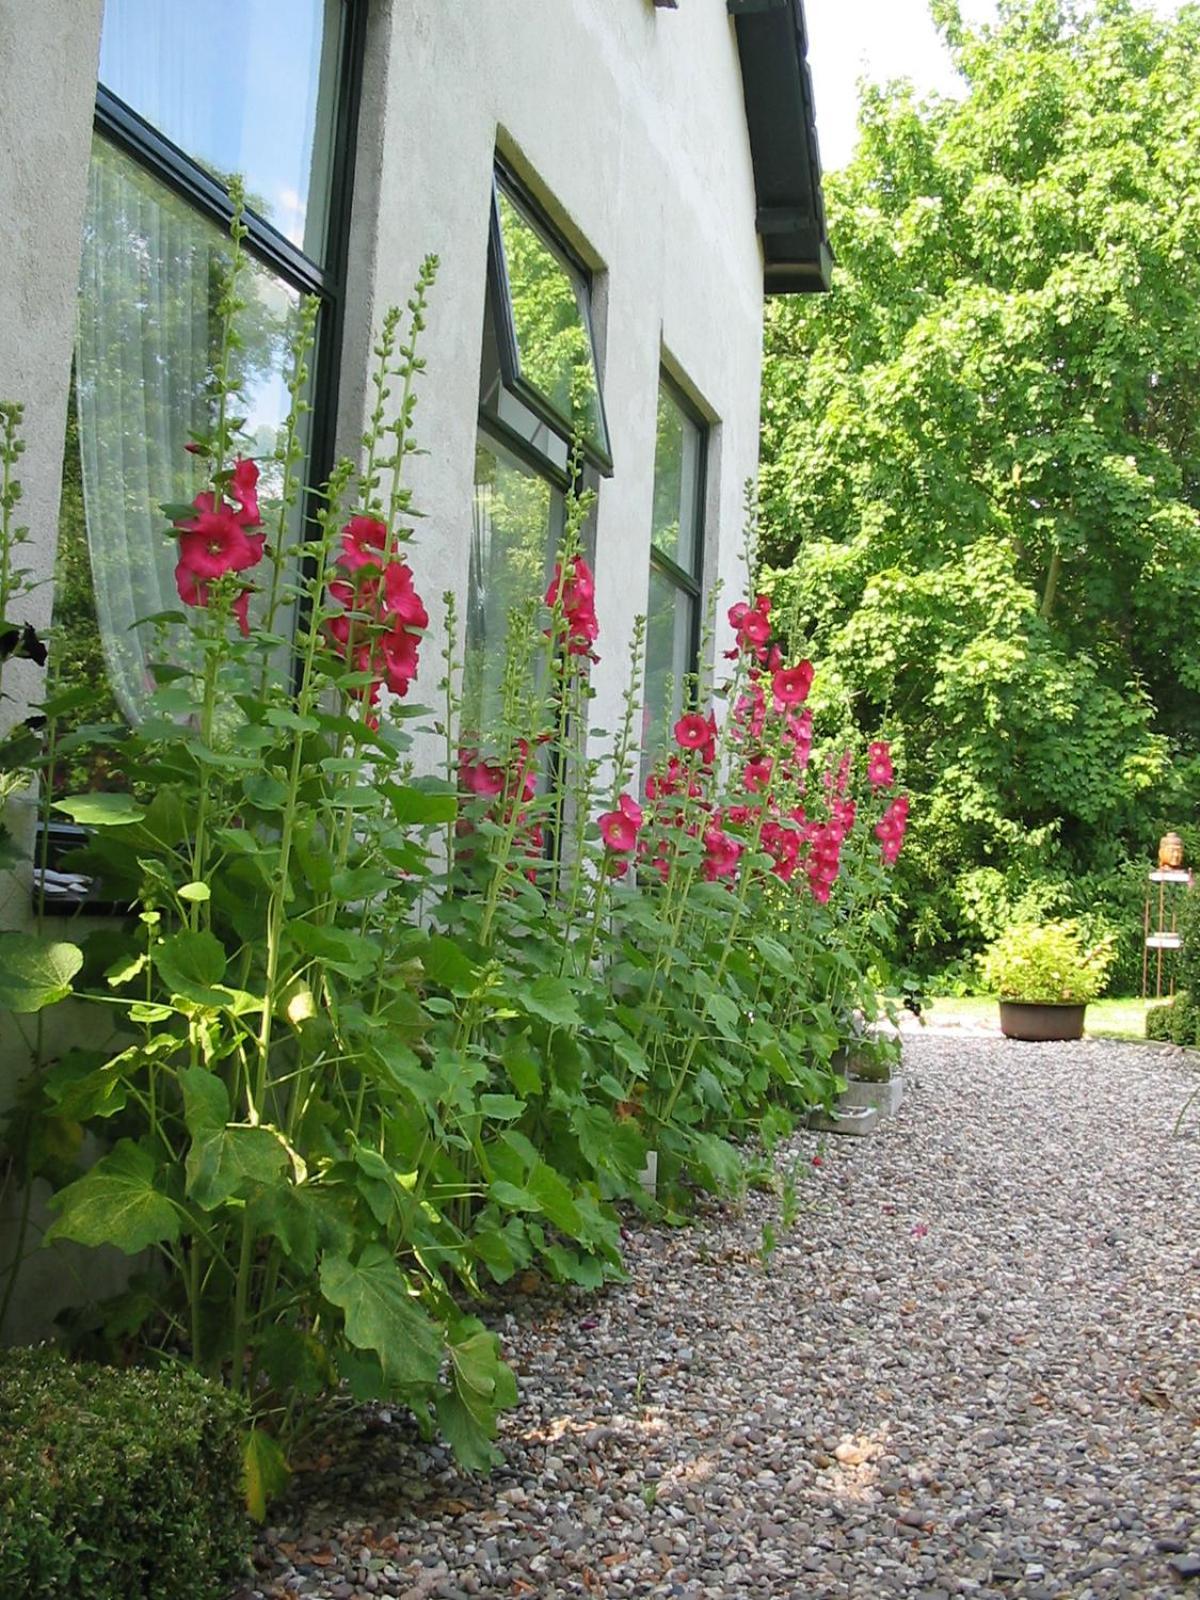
(241, 610)
(630, 808)
(478, 777)
(618, 832)
(721, 854)
(880, 774)
(363, 542)
(215, 542)
(798, 731)
(244, 488)
(619, 828)
(398, 649)
(692, 732)
(791, 685)
(400, 599)
(756, 774)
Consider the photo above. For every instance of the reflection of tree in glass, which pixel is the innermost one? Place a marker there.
(552, 336)
(668, 477)
(512, 535)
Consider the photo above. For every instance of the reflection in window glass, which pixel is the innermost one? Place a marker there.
(676, 483)
(550, 321)
(245, 86)
(147, 286)
(517, 521)
(670, 656)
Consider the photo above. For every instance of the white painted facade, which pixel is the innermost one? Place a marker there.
(625, 121)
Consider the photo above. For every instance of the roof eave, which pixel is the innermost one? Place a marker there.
(773, 50)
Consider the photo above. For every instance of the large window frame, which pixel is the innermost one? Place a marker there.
(168, 164)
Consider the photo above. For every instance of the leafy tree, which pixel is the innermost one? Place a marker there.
(981, 482)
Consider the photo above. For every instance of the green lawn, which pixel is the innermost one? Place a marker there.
(1106, 1019)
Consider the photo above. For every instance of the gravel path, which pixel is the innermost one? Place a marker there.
(969, 1368)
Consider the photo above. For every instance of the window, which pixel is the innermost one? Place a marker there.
(539, 389)
(187, 97)
(676, 565)
(180, 107)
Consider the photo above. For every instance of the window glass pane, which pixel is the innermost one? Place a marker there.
(670, 656)
(245, 86)
(677, 456)
(550, 320)
(517, 520)
(148, 334)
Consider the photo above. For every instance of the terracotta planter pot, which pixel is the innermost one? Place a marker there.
(1023, 1019)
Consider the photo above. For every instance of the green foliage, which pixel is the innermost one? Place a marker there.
(1047, 964)
(981, 484)
(117, 1483)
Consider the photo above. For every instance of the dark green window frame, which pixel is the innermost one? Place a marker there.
(532, 400)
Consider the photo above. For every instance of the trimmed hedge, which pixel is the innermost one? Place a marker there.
(117, 1485)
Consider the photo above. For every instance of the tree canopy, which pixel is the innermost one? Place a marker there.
(981, 479)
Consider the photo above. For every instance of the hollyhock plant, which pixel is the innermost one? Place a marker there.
(880, 774)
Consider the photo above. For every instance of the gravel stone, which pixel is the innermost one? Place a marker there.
(968, 1368)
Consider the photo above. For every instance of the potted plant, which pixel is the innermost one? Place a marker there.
(1044, 974)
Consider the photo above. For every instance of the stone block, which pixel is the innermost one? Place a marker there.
(886, 1098)
(856, 1120)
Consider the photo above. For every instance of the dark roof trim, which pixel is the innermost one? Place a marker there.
(773, 48)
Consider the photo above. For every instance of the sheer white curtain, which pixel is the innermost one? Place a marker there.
(141, 365)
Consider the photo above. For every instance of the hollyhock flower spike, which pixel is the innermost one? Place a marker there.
(889, 830)
(578, 606)
(880, 774)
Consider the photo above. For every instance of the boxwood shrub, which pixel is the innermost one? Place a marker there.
(117, 1484)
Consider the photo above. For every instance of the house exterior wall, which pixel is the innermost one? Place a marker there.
(625, 122)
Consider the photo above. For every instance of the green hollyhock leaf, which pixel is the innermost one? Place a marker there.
(190, 963)
(35, 972)
(381, 1314)
(101, 810)
(552, 1000)
(205, 1101)
(348, 953)
(725, 1014)
(503, 1107)
(116, 1203)
(227, 1162)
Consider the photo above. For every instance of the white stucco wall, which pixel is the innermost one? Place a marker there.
(628, 124)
